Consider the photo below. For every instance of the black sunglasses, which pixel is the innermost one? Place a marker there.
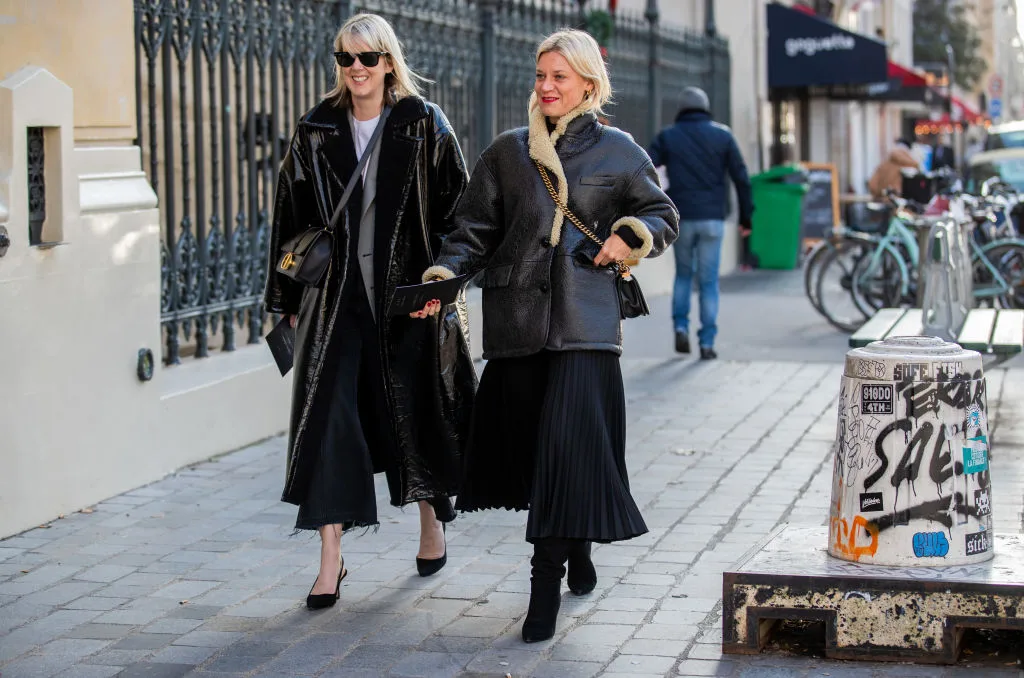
(368, 59)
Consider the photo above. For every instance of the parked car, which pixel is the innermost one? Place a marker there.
(1007, 135)
(1005, 163)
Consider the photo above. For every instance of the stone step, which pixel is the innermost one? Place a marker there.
(871, 612)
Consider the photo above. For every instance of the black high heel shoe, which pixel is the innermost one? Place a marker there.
(319, 601)
(429, 566)
(582, 577)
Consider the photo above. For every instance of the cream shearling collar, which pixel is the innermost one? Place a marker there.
(542, 149)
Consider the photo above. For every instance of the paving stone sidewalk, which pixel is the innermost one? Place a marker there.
(200, 574)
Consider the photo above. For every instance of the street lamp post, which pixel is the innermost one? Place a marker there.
(654, 70)
(954, 135)
(710, 29)
(488, 74)
(950, 64)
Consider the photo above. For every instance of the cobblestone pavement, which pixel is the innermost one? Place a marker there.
(200, 572)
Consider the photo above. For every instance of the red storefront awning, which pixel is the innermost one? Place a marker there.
(967, 114)
(907, 77)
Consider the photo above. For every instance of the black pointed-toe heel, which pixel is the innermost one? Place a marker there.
(542, 615)
(429, 566)
(582, 577)
(319, 601)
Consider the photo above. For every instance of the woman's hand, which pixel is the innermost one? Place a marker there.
(432, 307)
(615, 250)
(293, 320)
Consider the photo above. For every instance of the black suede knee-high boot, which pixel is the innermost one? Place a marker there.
(549, 556)
(582, 575)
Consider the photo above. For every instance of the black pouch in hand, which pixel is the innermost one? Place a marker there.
(631, 298)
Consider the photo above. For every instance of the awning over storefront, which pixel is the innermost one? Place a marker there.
(963, 114)
(967, 113)
(906, 85)
(906, 76)
(808, 55)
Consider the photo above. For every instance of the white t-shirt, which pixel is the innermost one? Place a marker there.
(364, 130)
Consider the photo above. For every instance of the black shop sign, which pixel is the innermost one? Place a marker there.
(807, 51)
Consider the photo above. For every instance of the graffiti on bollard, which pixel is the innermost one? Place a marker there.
(931, 545)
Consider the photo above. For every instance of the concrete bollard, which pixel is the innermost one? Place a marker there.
(910, 480)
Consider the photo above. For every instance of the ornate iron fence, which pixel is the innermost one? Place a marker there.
(221, 82)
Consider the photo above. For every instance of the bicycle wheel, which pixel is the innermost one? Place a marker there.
(812, 265)
(878, 282)
(1008, 260)
(833, 288)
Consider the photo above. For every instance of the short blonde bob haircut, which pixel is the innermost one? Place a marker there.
(584, 56)
(376, 33)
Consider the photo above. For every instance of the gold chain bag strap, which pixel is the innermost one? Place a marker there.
(631, 298)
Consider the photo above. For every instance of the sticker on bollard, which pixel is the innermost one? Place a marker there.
(976, 455)
(911, 478)
(981, 502)
(977, 543)
(876, 399)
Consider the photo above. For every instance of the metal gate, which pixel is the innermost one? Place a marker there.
(220, 83)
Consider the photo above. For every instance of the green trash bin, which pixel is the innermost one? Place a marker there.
(778, 207)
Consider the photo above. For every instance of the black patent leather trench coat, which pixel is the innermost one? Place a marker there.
(428, 371)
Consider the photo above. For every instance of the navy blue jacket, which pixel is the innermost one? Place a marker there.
(697, 153)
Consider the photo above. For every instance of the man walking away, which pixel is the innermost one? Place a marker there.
(697, 153)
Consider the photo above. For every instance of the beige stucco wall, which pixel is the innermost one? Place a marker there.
(87, 44)
(77, 424)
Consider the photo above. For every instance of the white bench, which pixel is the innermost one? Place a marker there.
(996, 332)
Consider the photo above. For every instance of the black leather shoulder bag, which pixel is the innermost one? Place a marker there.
(306, 257)
(631, 298)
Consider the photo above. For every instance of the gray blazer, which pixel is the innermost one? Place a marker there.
(367, 220)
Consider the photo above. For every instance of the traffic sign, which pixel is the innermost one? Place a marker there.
(995, 86)
(995, 108)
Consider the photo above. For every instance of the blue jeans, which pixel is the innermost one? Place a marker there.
(700, 244)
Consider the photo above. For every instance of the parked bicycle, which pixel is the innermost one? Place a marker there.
(853, 273)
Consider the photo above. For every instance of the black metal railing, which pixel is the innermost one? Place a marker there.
(221, 82)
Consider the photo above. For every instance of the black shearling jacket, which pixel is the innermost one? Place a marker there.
(541, 289)
(428, 371)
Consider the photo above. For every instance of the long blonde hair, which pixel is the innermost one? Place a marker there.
(584, 56)
(377, 34)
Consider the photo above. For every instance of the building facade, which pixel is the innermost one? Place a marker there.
(998, 26)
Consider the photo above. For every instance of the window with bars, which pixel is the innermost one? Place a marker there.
(36, 185)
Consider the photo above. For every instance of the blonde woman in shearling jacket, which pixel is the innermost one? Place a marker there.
(549, 427)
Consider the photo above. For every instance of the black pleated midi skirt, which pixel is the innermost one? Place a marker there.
(549, 436)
